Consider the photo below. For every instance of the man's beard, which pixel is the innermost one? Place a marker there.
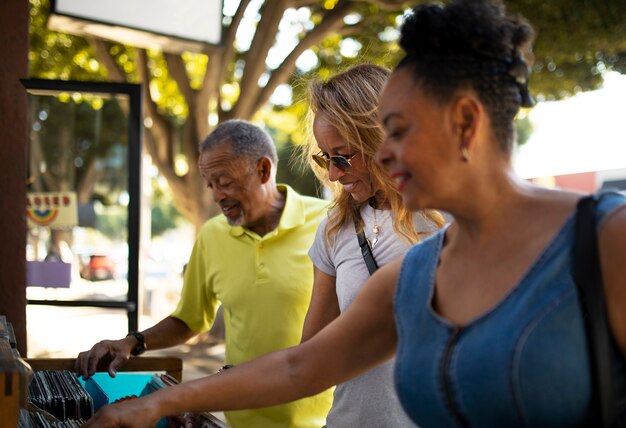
(237, 221)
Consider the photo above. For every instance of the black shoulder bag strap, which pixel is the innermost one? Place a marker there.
(366, 250)
(588, 278)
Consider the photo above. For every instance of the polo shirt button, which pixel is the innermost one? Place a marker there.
(261, 265)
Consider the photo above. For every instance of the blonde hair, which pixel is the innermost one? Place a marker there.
(349, 101)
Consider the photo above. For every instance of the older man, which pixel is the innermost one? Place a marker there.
(253, 260)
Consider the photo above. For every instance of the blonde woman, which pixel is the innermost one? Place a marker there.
(347, 135)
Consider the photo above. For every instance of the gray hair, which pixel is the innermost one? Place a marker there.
(245, 139)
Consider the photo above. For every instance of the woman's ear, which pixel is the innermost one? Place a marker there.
(467, 116)
(264, 170)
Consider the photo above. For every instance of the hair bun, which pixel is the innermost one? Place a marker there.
(420, 31)
(468, 28)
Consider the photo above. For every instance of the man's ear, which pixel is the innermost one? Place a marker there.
(467, 114)
(264, 170)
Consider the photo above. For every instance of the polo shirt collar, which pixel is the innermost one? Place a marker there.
(293, 213)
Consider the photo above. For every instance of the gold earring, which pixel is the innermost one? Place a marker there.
(465, 155)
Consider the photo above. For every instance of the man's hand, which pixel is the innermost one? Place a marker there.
(118, 351)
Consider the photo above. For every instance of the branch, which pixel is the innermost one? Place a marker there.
(212, 77)
(164, 167)
(178, 71)
(255, 57)
(333, 20)
(191, 138)
(106, 59)
(215, 72)
(84, 189)
(229, 42)
(160, 128)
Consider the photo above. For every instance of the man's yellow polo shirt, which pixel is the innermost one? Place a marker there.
(264, 285)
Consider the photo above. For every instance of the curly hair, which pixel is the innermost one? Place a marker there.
(350, 102)
(471, 44)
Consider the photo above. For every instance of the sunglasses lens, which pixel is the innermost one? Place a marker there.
(321, 161)
(341, 162)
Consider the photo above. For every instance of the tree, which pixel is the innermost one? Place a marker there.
(209, 87)
(186, 95)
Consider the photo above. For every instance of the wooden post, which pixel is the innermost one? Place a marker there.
(14, 21)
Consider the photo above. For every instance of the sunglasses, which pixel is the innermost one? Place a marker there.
(340, 162)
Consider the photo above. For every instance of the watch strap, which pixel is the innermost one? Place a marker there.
(141, 343)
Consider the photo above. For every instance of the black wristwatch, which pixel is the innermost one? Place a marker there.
(141, 343)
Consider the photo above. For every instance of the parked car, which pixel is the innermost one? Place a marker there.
(96, 267)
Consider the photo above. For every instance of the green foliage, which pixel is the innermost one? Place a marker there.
(576, 40)
(524, 129)
(298, 176)
(376, 45)
(164, 214)
(56, 55)
(113, 224)
(74, 135)
(164, 91)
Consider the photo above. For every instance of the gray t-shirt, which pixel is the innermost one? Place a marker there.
(369, 400)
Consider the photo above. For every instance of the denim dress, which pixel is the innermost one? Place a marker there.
(524, 363)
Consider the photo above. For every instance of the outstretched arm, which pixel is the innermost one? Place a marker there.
(363, 337)
(324, 307)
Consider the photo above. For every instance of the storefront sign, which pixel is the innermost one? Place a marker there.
(57, 210)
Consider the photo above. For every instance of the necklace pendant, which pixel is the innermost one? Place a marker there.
(376, 230)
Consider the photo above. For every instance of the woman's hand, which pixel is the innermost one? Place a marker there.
(135, 413)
